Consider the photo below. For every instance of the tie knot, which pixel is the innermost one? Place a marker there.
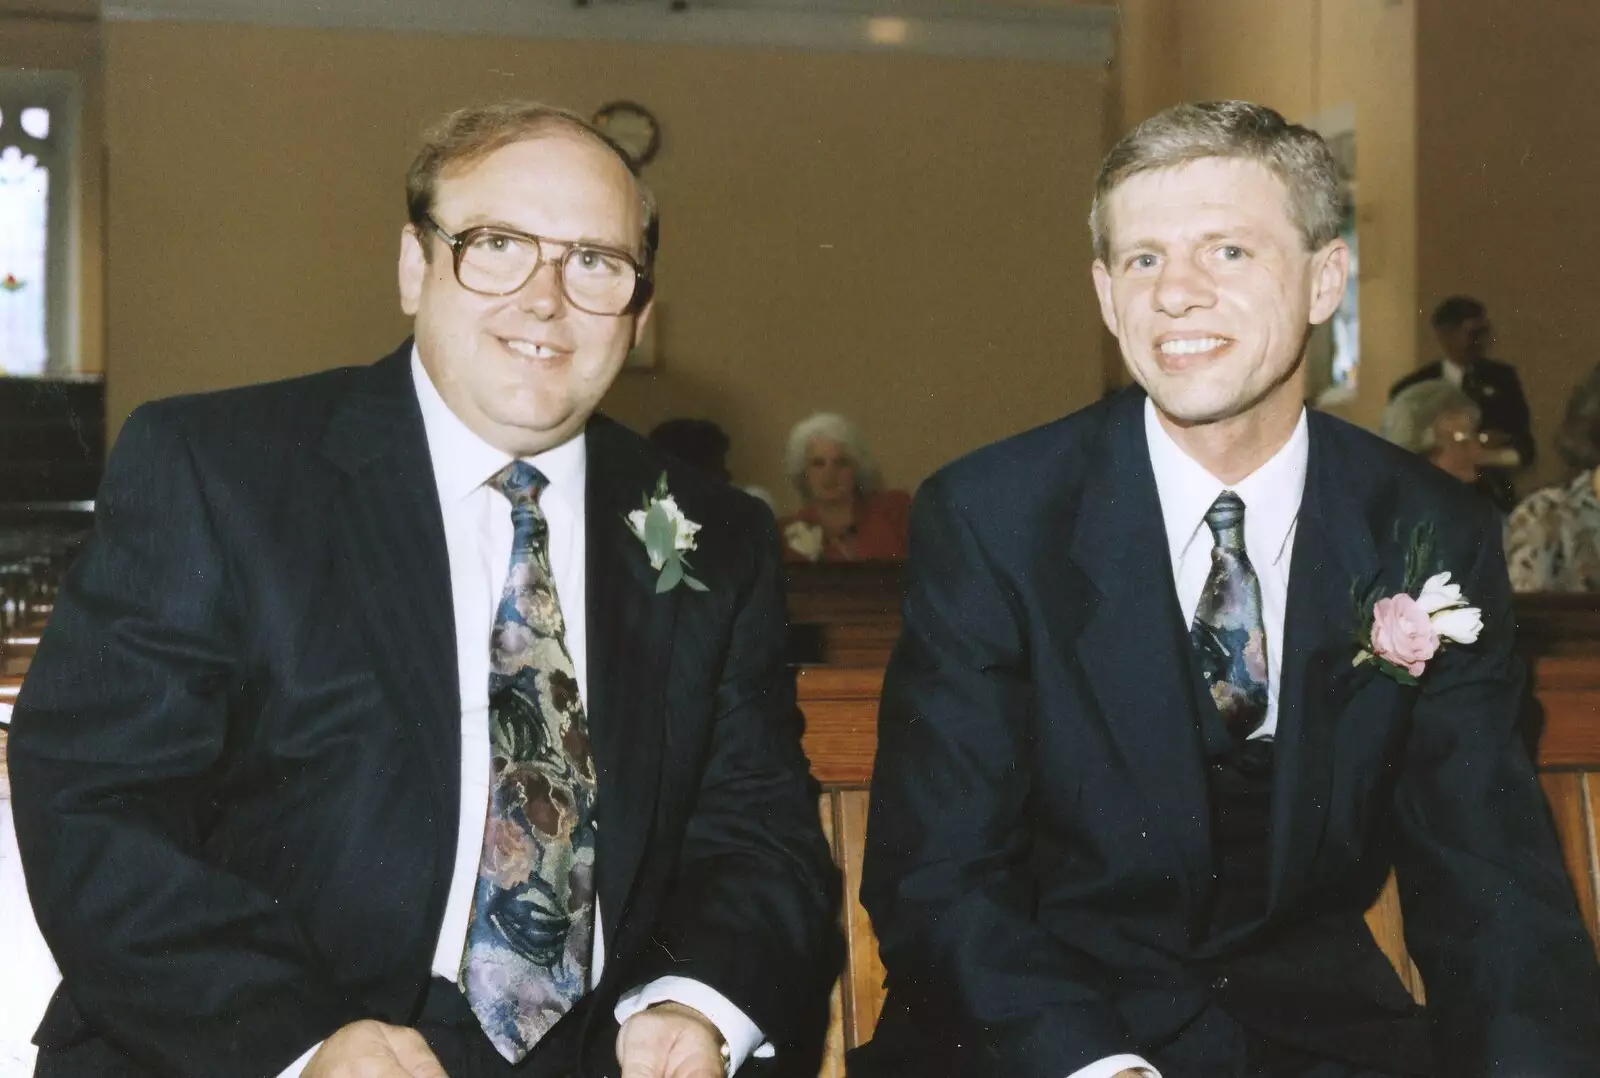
(1225, 518)
(521, 483)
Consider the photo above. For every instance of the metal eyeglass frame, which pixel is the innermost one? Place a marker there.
(458, 244)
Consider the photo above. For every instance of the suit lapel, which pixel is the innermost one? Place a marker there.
(1334, 558)
(630, 631)
(390, 531)
(1134, 645)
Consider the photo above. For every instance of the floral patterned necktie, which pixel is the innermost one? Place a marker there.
(531, 932)
(1228, 634)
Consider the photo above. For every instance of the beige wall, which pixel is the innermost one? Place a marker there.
(896, 237)
(1508, 111)
(73, 45)
(1306, 58)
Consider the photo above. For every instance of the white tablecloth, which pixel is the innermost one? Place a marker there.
(28, 975)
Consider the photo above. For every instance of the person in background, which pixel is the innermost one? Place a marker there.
(697, 442)
(1462, 327)
(844, 515)
(703, 445)
(1553, 537)
(1438, 421)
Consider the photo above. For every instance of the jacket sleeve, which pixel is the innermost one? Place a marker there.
(945, 879)
(1490, 917)
(119, 728)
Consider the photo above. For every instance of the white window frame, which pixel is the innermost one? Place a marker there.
(59, 92)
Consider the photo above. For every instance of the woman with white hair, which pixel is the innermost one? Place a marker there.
(1435, 419)
(1553, 537)
(844, 515)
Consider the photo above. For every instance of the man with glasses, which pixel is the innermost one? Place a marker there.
(413, 719)
(1465, 336)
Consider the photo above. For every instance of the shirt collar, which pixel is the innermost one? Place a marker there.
(464, 462)
(1271, 494)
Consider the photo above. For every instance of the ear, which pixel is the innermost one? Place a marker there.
(639, 321)
(1330, 268)
(1102, 289)
(413, 269)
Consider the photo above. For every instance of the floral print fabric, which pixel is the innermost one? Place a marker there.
(1553, 539)
(531, 932)
(1228, 634)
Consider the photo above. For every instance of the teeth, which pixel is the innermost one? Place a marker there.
(530, 350)
(1191, 347)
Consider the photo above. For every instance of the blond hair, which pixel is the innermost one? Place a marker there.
(1239, 130)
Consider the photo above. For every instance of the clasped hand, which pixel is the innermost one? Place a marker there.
(666, 1041)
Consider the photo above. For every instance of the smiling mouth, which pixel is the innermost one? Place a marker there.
(1192, 346)
(533, 349)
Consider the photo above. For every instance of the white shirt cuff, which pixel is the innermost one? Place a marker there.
(293, 1070)
(744, 1039)
(1114, 1065)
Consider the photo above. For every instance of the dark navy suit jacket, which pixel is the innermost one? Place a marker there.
(1039, 864)
(235, 761)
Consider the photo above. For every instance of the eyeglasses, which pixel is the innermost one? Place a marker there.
(499, 261)
(1486, 439)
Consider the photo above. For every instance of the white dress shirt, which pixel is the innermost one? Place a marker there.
(478, 534)
(1271, 496)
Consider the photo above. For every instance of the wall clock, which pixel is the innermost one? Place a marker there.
(631, 126)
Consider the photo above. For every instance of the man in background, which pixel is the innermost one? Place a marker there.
(1464, 332)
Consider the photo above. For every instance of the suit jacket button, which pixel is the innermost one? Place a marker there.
(1219, 983)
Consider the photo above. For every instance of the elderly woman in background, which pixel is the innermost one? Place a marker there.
(844, 515)
(1553, 537)
(1437, 420)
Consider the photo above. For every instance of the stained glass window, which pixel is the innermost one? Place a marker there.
(24, 238)
(39, 328)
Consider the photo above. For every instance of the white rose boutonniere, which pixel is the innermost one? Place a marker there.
(805, 540)
(667, 536)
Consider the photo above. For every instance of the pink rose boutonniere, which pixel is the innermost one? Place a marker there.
(1407, 632)
(1402, 633)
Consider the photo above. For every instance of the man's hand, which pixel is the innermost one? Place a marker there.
(369, 1049)
(669, 1040)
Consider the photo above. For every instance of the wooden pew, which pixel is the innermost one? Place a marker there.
(841, 739)
(844, 615)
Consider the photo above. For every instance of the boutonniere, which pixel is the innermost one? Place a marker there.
(1404, 631)
(805, 539)
(667, 536)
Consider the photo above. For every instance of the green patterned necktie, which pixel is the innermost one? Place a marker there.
(531, 933)
(1229, 635)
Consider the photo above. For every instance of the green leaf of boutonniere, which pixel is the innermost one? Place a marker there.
(659, 537)
(1421, 556)
(671, 576)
